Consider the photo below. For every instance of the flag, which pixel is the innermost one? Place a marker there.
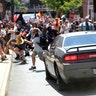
(9, 19)
(21, 20)
(15, 17)
(40, 15)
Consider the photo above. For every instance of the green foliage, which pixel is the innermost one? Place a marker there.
(18, 4)
(63, 5)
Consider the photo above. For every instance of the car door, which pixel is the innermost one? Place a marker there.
(59, 53)
(53, 50)
(49, 59)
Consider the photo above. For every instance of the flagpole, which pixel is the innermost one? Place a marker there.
(35, 11)
(12, 10)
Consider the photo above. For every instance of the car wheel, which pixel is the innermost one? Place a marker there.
(48, 76)
(60, 83)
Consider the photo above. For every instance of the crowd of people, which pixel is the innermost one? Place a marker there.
(22, 37)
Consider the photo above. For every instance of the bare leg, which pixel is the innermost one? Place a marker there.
(22, 55)
(33, 62)
(6, 49)
(1, 51)
(33, 59)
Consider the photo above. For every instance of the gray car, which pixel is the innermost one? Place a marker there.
(71, 57)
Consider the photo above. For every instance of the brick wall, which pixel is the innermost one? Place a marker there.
(85, 10)
(2, 14)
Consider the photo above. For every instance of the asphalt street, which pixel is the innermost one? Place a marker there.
(24, 82)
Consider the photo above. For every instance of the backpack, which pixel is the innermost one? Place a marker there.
(43, 42)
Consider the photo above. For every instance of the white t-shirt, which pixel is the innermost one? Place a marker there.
(13, 36)
(67, 28)
(2, 33)
(37, 48)
(32, 36)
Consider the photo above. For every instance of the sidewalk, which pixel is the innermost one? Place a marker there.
(5, 68)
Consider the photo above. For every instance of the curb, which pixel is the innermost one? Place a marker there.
(5, 70)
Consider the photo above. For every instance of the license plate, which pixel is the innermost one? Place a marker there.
(94, 71)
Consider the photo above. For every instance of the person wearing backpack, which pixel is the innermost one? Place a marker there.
(37, 49)
(86, 25)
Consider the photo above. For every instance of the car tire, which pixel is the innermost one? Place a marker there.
(60, 83)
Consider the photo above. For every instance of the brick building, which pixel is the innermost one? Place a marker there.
(2, 9)
(88, 8)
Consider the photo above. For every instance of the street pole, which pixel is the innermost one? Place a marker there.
(35, 11)
(12, 10)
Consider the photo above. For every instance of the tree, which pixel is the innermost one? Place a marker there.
(18, 4)
(63, 6)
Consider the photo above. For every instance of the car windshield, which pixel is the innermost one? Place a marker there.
(80, 40)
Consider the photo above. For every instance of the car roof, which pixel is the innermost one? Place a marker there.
(77, 33)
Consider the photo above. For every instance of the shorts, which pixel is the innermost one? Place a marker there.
(21, 46)
(40, 54)
(1, 42)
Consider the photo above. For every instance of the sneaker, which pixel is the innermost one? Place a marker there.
(23, 62)
(17, 57)
(3, 58)
(33, 67)
(27, 54)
